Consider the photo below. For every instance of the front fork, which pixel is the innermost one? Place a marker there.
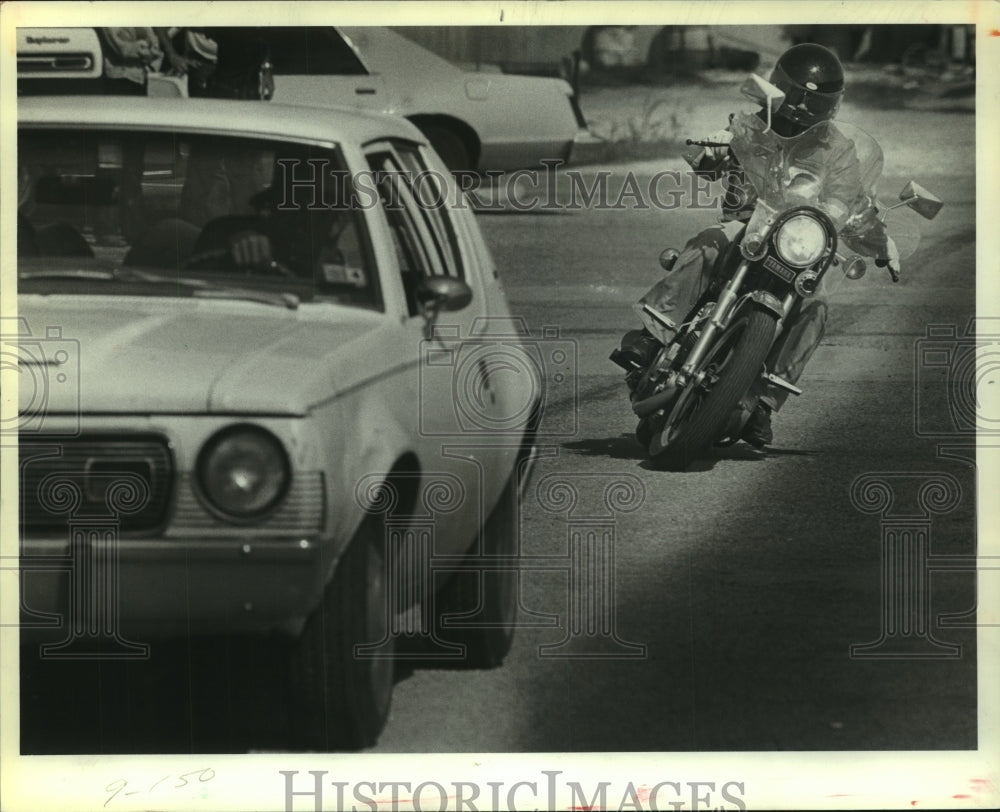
(718, 320)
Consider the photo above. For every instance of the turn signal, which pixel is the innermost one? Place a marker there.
(806, 283)
(855, 268)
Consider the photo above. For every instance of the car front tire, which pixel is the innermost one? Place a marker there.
(483, 598)
(341, 694)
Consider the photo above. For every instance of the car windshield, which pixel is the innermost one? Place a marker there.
(187, 214)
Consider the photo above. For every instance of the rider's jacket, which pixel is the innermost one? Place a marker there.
(829, 160)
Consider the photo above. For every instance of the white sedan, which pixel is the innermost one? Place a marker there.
(474, 119)
(257, 397)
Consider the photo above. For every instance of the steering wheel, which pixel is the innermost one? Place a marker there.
(214, 255)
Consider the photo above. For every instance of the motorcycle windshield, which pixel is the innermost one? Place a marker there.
(832, 167)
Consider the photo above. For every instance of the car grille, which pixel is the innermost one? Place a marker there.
(94, 478)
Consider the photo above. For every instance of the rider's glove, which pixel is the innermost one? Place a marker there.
(711, 157)
(891, 259)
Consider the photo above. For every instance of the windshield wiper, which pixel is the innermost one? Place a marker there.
(273, 297)
(203, 289)
(198, 287)
(69, 273)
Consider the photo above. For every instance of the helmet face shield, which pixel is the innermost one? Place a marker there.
(809, 107)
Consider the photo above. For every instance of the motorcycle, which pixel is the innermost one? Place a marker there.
(705, 382)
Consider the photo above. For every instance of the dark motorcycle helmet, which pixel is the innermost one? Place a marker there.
(812, 80)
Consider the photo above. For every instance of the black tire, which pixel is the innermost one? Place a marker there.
(487, 595)
(697, 418)
(449, 145)
(342, 701)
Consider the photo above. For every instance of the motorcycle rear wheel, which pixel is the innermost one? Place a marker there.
(698, 416)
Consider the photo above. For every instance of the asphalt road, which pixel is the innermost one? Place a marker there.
(739, 587)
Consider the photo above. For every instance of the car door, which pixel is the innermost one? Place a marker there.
(459, 414)
(318, 67)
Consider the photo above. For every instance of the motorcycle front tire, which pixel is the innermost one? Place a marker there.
(696, 420)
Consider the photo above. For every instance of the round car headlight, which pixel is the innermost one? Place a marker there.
(243, 471)
(801, 240)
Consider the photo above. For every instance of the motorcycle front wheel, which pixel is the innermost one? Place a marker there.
(702, 411)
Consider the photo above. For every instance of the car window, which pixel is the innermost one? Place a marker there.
(423, 237)
(312, 51)
(432, 196)
(184, 213)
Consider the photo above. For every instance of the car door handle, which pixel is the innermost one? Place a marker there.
(364, 91)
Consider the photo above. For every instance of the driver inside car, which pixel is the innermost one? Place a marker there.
(812, 79)
(289, 233)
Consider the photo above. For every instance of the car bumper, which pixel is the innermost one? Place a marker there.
(511, 155)
(141, 588)
(505, 156)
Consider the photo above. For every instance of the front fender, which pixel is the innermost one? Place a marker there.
(764, 299)
(361, 435)
(377, 441)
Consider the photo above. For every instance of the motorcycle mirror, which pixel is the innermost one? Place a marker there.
(764, 93)
(924, 203)
(668, 257)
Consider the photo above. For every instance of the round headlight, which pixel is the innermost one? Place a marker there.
(801, 240)
(243, 471)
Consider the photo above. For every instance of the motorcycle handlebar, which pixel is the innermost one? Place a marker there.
(692, 143)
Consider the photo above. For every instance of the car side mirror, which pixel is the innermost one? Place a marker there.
(443, 293)
(436, 294)
(764, 93)
(924, 203)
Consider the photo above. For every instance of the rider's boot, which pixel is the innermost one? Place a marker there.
(639, 347)
(757, 431)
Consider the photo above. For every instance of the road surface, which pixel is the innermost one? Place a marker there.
(739, 587)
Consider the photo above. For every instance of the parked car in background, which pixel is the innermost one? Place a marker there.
(476, 120)
(55, 60)
(242, 400)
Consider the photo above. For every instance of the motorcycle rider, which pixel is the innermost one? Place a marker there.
(812, 79)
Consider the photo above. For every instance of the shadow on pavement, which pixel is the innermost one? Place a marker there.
(622, 447)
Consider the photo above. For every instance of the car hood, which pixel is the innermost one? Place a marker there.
(160, 355)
